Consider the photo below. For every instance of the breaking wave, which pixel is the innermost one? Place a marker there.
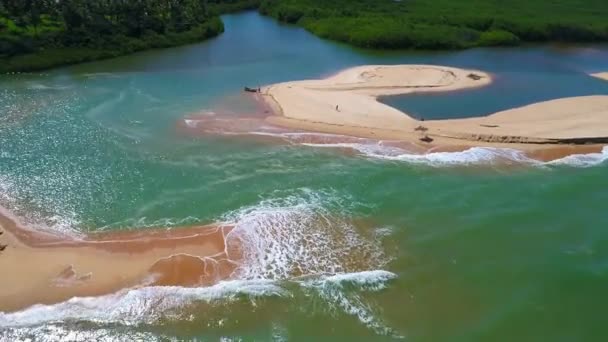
(11, 199)
(135, 306)
(393, 151)
(471, 156)
(583, 160)
(294, 243)
(300, 235)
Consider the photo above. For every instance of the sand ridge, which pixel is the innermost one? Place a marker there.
(346, 103)
(602, 75)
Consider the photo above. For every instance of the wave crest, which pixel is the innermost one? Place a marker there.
(293, 242)
(471, 156)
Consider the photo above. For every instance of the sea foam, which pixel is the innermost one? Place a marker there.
(294, 241)
(471, 156)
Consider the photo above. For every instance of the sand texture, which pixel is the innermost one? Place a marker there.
(346, 103)
(602, 75)
(44, 268)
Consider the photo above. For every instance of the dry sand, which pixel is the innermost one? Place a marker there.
(42, 268)
(311, 105)
(602, 75)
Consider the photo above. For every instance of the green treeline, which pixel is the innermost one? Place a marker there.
(445, 24)
(38, 34)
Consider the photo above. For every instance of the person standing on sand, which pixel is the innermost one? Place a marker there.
(337, 110)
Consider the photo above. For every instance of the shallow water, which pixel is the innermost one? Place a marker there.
(353, 240)
(521, 76)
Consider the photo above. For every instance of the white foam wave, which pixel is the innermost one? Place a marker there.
(11, 202)
(191, 123)
(149, 305)
(366, 280)
(471, 156)
(57, 332)
(334, 290)
(300, 238)
(40, 86)
(135, 306)
(583, 160)
(376, 150)
(300, 235)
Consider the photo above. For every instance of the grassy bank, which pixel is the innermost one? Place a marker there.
(445, 24)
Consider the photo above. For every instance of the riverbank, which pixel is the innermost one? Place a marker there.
(346, 103)
(61, 56)
(46, 268)
(435, 25)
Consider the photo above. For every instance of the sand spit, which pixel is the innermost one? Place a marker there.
(40, 268)
(346, 103)
(602, 75)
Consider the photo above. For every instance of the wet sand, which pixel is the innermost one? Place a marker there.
(263, 127)
(346, 103)
(44, 268)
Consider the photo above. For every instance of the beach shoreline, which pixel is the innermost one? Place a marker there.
(346, 103)
(44, 268)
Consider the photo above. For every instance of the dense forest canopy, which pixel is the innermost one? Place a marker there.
(28, 24)
(36, 34)
(445, 24)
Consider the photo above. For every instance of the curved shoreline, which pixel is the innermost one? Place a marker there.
(43, 268)
(346, 103)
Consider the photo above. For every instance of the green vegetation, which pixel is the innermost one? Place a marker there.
(445, 24)
(39, 34)
(231, 6)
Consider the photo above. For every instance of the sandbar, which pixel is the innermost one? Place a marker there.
(347, 103)
(47, 268)
(602, 75)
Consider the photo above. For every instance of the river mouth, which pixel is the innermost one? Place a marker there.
(354, 238)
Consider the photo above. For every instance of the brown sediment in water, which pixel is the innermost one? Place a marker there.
(553, 153)
(40, 268)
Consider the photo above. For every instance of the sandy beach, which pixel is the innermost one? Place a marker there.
(346, 103)
(602, 75)
(44, 268)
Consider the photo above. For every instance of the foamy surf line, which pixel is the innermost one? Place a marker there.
(148, 305)
(295, 241)
(385, 150)
(11, 208)
(471, 156)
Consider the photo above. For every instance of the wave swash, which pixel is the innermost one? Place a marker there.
(292, 244)
(212, 123)
(472, 156)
